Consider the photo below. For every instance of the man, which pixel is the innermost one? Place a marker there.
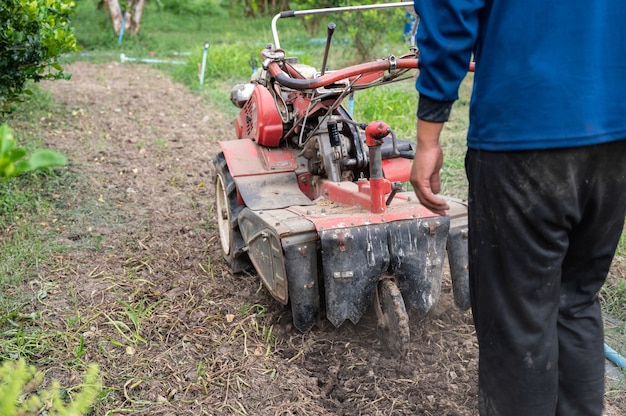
(546, 164)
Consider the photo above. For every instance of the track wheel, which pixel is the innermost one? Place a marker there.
(392, 316)
(227, 211)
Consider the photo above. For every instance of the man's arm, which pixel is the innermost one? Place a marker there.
(431, 115)
(426, 166)
(446, 36)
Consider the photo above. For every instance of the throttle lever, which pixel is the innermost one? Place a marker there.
(329, 36)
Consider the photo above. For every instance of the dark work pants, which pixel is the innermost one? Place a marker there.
(543, 226)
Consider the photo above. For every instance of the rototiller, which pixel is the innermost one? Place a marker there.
(316, 201)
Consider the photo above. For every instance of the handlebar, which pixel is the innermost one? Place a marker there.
(331, 78)
(346, 73)
(295, 13)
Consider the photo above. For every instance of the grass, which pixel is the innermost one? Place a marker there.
(613, 298)
(29, 211)
(26, 197)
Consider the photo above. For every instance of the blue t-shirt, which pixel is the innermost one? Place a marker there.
(549, 73)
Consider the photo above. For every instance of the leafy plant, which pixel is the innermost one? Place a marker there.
(11, 157)
(137, 312)
(32, 35)
(18, 380)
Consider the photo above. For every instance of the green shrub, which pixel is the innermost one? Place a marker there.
(18, 395)
(32, 35)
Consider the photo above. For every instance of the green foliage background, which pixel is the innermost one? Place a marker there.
(32, 35)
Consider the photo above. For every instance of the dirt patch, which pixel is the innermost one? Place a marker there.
(140, 279)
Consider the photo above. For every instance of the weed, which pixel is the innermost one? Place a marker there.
(255, 309)
(207, 267)
(135, 313)
(124, 331)
(24, 342)
(621, 246)
(138, 312)
(80, 350)
(161, 142)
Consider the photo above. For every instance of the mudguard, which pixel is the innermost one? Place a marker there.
(418, 250)
(265, 177)
(271, 191)
(266, 253)
(293, 248)
(283, 247)
(354, 258)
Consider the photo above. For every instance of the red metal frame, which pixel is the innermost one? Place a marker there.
(397, 169)
(341, 216)
(369, 195)
(245, 158)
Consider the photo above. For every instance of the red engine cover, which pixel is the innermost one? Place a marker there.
(259, 119)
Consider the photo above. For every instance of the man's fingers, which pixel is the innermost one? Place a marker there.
(430, 201)
(435, 184)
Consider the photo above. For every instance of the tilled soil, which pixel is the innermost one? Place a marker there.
(140, 279)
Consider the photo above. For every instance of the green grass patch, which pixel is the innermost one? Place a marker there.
(28, 213)
(614, 299)
(621, 246)
(26, 201)
(165, 34)
(395, 104)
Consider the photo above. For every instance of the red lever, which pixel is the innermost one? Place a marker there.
(375, 132)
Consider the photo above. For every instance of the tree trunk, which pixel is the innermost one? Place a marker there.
(133, 16)
(116, 14)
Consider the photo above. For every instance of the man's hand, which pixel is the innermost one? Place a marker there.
(426, 167)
